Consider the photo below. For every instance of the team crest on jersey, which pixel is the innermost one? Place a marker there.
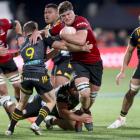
(2, 32)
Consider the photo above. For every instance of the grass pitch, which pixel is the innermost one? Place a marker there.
(105, 110)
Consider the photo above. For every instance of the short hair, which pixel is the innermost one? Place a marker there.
(65, 6)
(30, 26)
(51, 5)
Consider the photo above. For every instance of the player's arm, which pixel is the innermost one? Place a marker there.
(86, 47)
(3, 51)
(79, 38)
(71, 47)
(127, 57)
(46, 33)
(18, 28)
(52, 53)
(67, 114)
(62, 45)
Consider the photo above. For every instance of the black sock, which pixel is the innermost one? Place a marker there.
(43, 112)
(16, 116)
(123, 114)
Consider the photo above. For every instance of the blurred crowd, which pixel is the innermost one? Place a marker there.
(107, 38)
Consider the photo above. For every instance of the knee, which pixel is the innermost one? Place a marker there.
(85, 94)
(3, 90)
(15, 80)
(16, 85)
(83, 89)
(134, 88)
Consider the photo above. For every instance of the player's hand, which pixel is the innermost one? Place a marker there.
(3, 51)
(120, 76)
(86, 118)
(35, 36)
(87, 47)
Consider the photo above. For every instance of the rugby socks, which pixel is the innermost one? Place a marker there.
(43, 112)
(123, 114)
(16, 116)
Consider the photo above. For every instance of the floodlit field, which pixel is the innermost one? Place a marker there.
(105, 111)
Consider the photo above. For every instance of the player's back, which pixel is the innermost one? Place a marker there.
(33, 56)
(66, 95)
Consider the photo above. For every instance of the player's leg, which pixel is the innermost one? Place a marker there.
(128, 99)
(81, 76)
(17, 114)
(14, 77)
(63, 73)
(45, 89)
(96, 72)
(49, 99)
(26, 91)
(32, 109)
(5, 99)
(82, 83)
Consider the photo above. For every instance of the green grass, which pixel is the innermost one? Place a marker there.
(105, 110)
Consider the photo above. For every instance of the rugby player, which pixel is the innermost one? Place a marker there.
(8, 68)
(87, 65)
(62, 70)
(35, 75)
(134, 42)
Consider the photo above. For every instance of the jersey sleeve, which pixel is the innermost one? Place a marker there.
(48, 41)
(56, 29)
(81, 24)
(135, 38)
(6, 24)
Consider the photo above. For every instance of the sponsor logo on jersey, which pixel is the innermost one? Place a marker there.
(81, 24)
(44, 79)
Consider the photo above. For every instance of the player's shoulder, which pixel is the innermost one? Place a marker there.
(136, 31)
(4, 21)
(58, 22)
(80, 20)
